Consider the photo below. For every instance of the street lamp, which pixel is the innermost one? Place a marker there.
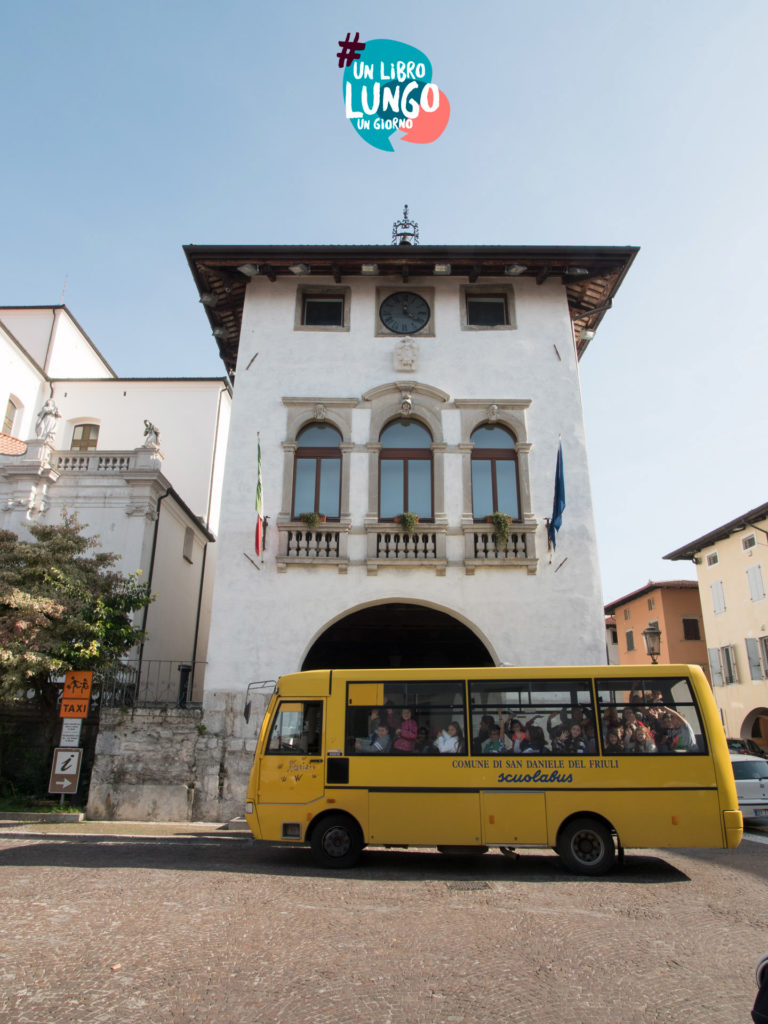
(652, 637)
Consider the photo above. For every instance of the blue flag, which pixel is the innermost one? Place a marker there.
(559, 500)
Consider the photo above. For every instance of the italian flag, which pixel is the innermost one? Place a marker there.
(259, 516)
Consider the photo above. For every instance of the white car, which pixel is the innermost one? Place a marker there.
(751, 775)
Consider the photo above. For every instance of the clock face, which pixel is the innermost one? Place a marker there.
(404, 312)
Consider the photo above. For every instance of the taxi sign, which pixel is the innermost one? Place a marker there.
(77, 685)
(76, 695)
(65, 770)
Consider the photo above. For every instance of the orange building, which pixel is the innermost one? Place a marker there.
(674, 606)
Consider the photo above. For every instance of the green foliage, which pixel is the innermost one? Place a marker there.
(62, 606)
(501, 523)
(310, 519)
(408, 522)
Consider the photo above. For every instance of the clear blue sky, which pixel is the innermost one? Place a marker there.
(131, 129)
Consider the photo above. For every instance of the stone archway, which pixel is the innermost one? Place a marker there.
(397, 635)
(755, 726)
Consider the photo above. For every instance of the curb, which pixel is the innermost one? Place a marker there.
(53, 818)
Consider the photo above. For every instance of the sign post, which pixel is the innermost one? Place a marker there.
(68, 758)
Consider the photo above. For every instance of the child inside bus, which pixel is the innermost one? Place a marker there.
(641, 741)
(406, 732)
(495, 743)
(383, 742)
(450, 740)
(612, 744)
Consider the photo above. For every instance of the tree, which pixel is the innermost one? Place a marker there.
(62, 606)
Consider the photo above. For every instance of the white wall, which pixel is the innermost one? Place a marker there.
(184, 411)
(21, 380)
(264, 621)
(55, 341)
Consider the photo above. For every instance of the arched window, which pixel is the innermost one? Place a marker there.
(494, 472)
(10, 416)
(317, 476)
(405, 470)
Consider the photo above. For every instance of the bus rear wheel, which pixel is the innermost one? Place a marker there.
(585, 846)
(336, 842)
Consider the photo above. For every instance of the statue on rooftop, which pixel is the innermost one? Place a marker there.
(45, 427)
(151, 435)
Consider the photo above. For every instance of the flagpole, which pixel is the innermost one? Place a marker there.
(259, 539)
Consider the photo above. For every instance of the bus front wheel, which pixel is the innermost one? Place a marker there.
(585, 846)
(336, 842)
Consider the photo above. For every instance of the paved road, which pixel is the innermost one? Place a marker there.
(202, 925)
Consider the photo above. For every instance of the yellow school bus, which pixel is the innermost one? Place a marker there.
(586, 760)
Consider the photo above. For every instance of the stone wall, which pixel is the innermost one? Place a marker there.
(164, 764)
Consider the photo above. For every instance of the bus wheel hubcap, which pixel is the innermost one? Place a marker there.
(336, 842)
(587, 847)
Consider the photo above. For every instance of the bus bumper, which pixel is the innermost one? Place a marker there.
(734, 828)
(253, 820)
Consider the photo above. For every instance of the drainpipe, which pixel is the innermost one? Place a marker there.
(151, 570)
(197, 621)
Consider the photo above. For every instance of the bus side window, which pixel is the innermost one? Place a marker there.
(649, 716)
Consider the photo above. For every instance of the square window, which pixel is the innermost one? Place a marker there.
(487, 310)
(323, 311)
(748, 542)
(712, 558)
(691, 629)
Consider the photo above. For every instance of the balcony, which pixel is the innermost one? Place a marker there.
(390, 547)
(94, 462)
(325, 544)
(481, 551)
(384, 546)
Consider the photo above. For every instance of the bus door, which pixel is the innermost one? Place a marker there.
(516, 817)
(292, 767)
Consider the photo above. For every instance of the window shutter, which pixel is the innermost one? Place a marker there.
(730, 669)
(753, 656)
(714, 666)
(755, 580)
(718, 597)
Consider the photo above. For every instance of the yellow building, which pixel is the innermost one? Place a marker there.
(732, 562)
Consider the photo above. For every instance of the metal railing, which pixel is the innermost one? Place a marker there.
(151, 683)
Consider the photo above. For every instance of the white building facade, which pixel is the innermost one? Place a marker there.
(382, 380)
(140, 461)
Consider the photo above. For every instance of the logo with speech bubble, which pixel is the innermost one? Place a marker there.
(387, 87)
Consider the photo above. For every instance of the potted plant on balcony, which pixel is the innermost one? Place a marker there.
(312, 519)
(500, 522)
(408, 521)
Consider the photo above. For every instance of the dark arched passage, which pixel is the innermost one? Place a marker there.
(397, 636)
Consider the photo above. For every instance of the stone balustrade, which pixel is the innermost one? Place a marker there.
(481, 548)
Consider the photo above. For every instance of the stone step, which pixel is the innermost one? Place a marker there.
(238, 825)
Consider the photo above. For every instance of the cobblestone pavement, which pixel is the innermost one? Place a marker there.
(197, 924)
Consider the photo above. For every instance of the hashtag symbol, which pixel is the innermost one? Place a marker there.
(349, 50)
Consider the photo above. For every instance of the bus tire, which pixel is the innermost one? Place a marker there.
(336, 842)
(585, 846)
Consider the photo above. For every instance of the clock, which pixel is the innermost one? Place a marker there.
(404, 312)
